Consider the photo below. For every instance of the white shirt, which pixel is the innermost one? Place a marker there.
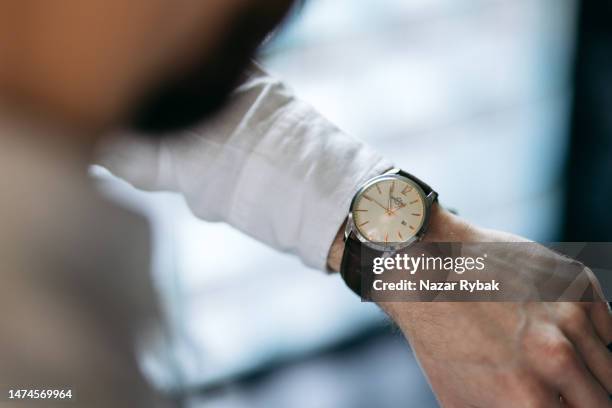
(269, 165)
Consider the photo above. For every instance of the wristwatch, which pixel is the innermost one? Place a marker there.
(389, 212)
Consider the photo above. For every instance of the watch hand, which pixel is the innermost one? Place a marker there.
(381, 206)
(391, 188)
(391, 212)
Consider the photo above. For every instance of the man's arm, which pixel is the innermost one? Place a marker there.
(272, 167)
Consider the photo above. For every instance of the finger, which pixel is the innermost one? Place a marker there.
(602, 320)
(595, 354)
(580, 389)
(577, 324)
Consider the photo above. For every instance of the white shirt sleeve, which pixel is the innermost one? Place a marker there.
(269, 165)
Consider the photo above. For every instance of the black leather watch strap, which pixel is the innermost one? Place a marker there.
(424, 186)
(356, 256)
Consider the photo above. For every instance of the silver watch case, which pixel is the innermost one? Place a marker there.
(393, 246)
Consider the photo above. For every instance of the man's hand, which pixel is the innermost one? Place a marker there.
(510, 354)
(498, 354)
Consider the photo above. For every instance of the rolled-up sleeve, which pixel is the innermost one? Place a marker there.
(269, 165)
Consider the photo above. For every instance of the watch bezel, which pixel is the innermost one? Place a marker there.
(428, 199)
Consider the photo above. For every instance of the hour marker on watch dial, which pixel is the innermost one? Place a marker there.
(389, 210)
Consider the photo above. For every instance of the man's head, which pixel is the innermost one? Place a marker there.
(154, 64)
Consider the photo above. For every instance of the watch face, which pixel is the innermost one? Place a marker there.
(389, 210)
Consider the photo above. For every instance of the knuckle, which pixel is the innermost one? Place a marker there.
(559, 355)
(573, 319)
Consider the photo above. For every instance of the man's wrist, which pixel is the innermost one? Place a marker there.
(336, 251)
(445, 226)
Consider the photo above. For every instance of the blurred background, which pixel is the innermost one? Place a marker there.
(471, 95)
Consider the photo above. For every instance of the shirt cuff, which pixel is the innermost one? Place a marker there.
(322, 230)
